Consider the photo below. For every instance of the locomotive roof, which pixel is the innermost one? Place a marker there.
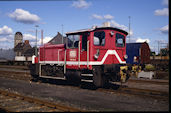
(97, 28)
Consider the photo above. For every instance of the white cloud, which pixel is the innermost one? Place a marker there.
(45, 40)
(164, 29)
(162, 12)
(81, 4)
(7, 38)
(165, 2)
(6, 34)
(4, 39)
(142, 40)
(5, 30)
(95, 16)
(112, 22)
(28, 37)
(115, 24)
(131, 33)
(108, 16)
(130, 40)
(24, 16)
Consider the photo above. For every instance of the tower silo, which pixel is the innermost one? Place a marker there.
(18, 38)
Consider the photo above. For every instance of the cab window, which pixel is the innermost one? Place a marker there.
(120, 40)
(73, 41)
(99, 38)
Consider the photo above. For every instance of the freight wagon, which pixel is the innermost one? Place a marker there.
(138, 53)
(97, 54)
(138, 56)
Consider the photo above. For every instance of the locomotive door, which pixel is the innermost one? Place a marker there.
(120, 45)
(83, 50)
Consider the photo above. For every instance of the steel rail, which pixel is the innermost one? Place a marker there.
(51, 105)
(15, 75)
(14, 72)
(161, 95)
(134, 91)
(149, 82)
(130, 80)
(14, 67)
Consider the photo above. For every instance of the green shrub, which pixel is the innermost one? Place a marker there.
(149, 67)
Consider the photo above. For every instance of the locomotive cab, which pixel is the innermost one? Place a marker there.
(100, 53)
(96, 54)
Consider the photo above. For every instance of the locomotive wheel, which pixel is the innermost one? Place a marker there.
(97, 77)
(73, 77)
(105, 81)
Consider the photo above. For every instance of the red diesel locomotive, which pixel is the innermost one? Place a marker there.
(96, 54)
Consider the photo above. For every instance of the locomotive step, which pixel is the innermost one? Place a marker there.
(62, 78)
(83, 80)
(90, 75)
(86, 77)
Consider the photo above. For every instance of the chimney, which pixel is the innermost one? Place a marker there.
(106, 24)
(26, 42)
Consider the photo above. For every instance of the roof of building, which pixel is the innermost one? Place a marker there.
(58, 39)
(21, 46)
(136, 44)
(18, 33)
(29, 52)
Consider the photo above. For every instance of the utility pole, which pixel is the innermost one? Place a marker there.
(41, 37)
(158, 47)
(129, 28)
(36, 41)
(62, 34)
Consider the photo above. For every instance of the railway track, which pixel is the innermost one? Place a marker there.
(19, 75)
(14, 67)
(12, 102)
(149, 82)
(16, 75)
(161, 95)
(124, 90)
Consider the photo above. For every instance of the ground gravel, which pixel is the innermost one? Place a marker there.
(86, 99)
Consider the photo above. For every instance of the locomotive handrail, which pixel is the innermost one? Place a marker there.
(79, 54)
(65, 63)
(58, 54)
(87, 53)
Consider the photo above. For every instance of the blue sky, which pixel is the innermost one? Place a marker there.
(149, 18)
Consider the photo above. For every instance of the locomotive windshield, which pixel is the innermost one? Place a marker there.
(73, 41)
(120, 40)
(99, 38)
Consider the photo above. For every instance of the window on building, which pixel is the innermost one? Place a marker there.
(99, 38)
(120, 40)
